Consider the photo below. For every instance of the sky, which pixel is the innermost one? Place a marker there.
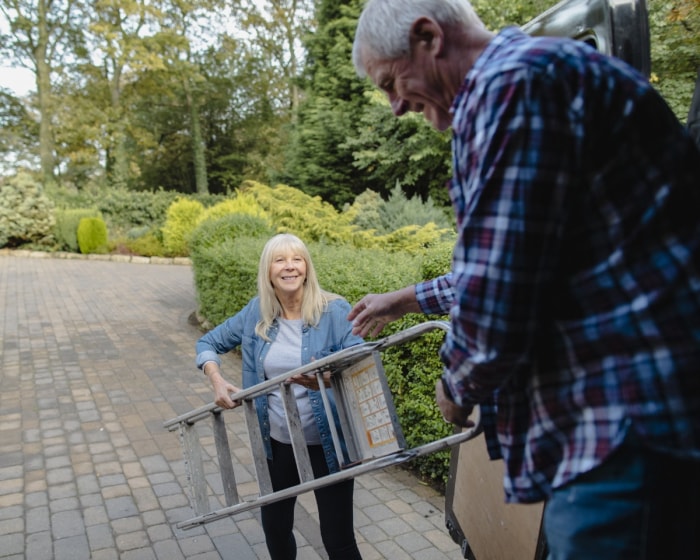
(19, 80)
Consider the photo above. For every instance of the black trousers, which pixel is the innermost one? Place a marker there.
(334, 508)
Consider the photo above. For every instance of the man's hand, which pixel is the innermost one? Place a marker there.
(374, 311)
(451, 411)
(310, 380)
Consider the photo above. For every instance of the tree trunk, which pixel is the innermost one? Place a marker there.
(198, 147)
(44, 96)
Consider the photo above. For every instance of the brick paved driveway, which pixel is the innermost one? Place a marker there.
(95, 356)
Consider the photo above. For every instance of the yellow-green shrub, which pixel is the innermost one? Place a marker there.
(181, 219)
(242, 203)
(92, 235)
(293, 211)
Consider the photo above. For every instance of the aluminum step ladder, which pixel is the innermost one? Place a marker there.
(373, 436)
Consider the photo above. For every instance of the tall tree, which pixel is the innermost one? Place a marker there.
(41, 33)
(318, 160)
(117, 46)
(18, 131)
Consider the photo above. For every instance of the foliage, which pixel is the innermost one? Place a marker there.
(400, 211)
(412, 371)
(216, 231)
(355, 271)
(401, 152)
(92, 236)
(18, 133)
(225, 268)
(370, 211)
(26, 214)
(147, 245)
(675, 51)
(124, 209)
(318, 160)
(225, 275)
(242, 203)
(437, 260)
(67, 222)
(290, 210)
(181, 219)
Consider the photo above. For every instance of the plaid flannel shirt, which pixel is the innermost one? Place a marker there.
(574, 296)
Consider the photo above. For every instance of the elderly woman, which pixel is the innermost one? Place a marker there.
(290, 322)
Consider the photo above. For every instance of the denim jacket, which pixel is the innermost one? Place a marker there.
(333, 333)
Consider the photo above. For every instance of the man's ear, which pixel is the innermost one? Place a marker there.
(426, 33)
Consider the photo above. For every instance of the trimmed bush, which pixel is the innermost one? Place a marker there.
(225, 275)
(437, 260)
(242, 203)
(213, 232)
(67, 221)
(412, 370)
(26, 215)
(92, 236)
(182, 217)
(354, 272)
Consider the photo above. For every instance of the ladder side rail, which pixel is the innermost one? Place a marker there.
(223, 452)
(296, 433)
(329, 414)
(262, 470)
(332, 361)
(411, 333)
(194, 470)
(353, 472)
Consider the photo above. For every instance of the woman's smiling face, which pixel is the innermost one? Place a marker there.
(288, 273)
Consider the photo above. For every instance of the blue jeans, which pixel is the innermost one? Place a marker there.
(638, 505)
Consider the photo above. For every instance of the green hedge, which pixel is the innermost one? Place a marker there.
(225, 275)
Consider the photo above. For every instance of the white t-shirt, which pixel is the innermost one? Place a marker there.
(285, 355)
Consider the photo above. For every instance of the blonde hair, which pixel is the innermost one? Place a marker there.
(315, 299)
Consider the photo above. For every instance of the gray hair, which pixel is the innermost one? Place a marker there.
(384, 25)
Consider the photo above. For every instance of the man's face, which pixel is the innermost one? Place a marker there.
(413, 83)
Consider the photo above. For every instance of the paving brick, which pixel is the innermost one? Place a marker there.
(72, 548)
(39, 546)
(67, 524)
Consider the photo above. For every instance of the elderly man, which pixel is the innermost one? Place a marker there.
(574, 295)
